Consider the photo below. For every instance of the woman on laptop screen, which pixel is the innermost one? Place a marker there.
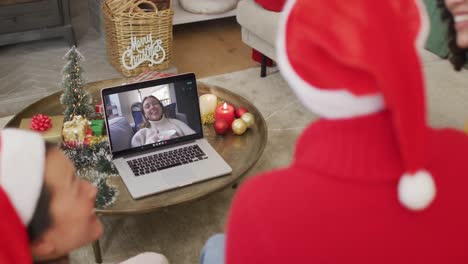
(156, 126)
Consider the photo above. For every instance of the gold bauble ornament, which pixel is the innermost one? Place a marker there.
(249, 119)
(239, 126)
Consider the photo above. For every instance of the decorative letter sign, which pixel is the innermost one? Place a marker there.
(141, 50)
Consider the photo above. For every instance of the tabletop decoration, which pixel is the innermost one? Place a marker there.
(249, 119)
(40, 122)
(208, 103)
(239, 126)
(52, 134)
(97, 127)
(225, 111)
(221, 127)
(75, 129)
(240, 111)
(75, 99)
(93, 162)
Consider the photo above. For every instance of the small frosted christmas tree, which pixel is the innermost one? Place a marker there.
(75, 99)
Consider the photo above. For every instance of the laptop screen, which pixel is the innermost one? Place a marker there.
(152, 114)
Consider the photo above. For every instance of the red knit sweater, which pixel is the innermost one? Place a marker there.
(337, 202)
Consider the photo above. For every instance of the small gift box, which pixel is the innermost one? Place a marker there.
(97, 126)
(52, 134)
(75, 129)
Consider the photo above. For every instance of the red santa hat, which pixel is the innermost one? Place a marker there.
(14, 244)
(22, 163)
(346, 60)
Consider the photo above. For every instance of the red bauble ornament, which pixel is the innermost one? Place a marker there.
(40, 122)
(240, 111)
(221, 126)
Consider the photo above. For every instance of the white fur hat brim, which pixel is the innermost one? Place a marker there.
(22, 163)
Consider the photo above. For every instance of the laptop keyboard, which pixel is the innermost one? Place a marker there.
(166, 160)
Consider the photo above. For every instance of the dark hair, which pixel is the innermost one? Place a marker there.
(457, 55)
(145, 122)
(41, 220)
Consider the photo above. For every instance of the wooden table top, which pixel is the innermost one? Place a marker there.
(240, 152)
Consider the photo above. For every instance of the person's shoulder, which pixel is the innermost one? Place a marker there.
(448, 150)
(448, 140)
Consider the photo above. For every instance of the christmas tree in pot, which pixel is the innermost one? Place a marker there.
(75, 99)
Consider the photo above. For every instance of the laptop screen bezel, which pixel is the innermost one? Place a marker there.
(146, 84)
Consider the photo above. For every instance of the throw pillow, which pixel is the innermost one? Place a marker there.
(208, 6)
(272, 5)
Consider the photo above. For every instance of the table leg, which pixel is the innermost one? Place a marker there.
(263, 66)
(97, 251)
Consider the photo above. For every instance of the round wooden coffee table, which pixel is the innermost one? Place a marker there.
(240, 152)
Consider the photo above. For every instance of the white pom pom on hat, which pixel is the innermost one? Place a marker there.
(416, 191)
(22, 163)
(341, 66)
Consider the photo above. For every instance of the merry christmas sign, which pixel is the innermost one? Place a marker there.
(141, 50)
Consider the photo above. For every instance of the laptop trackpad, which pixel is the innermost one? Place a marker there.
(182, 175)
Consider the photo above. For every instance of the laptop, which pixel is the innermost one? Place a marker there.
(156, 136)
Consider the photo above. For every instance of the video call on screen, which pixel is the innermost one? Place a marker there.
(132, 124)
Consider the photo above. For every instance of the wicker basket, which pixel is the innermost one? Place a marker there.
(138, 36)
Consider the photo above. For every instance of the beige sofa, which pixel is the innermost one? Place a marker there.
(259, 29)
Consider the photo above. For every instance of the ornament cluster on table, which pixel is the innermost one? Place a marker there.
(225, 117)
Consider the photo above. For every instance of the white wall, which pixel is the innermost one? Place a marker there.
(126, 101)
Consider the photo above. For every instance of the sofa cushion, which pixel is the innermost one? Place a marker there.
(208, 6)
(261, 22)
(272, 5)
(121, 133)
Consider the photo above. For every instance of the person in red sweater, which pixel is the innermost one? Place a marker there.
(370, 181)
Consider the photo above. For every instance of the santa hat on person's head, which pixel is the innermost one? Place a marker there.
(346, 60)
(14, 244)
(22, 163)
